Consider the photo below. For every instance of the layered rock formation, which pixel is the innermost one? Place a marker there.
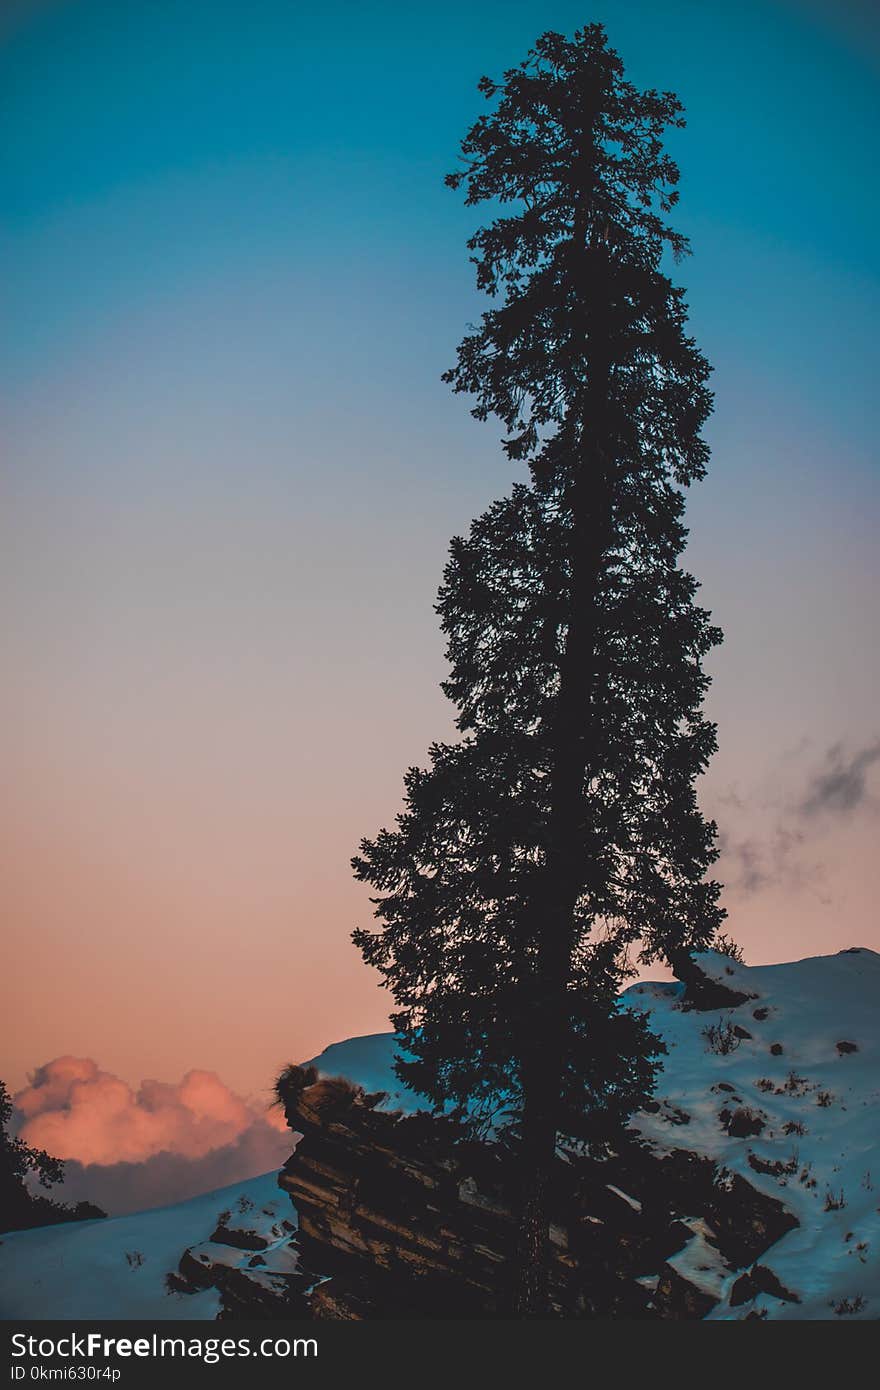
(403, 1216)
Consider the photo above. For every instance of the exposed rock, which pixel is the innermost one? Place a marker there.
(760, 1279)
(746, 1222)
(242, 1239)
(776, 1049)
(675, 1115)
(742, 1122)
(253, 1260)
(677, 1298)
(845, 1047)
(743, 1291)
(701, 991)
(773, 1167)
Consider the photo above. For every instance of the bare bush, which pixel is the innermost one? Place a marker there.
(721, 1037)
(726, 946)
(847, 1306)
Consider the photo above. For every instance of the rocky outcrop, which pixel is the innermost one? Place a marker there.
(701, 990)
(759, 1279)
(403, 1216)
(252, 1259)
(741, 1122)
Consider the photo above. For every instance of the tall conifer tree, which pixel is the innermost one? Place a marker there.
(561, 835)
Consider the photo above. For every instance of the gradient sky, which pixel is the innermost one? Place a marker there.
(232, 278)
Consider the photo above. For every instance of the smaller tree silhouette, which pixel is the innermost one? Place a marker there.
(19, 1207)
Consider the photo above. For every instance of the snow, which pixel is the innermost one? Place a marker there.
(830, 1260)
(699, 1260)
(117, 1267)
(821, 1119)
(630, 1201)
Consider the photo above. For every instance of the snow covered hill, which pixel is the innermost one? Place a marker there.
(782, 1090)
(807, 1074)
(119, 1268)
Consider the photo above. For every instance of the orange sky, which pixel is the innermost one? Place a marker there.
(192, 768)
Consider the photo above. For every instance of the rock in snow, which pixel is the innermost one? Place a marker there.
(797, 1126)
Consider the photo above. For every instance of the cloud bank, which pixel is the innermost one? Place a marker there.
(842, 784)
(793, 821)
(126, 1149)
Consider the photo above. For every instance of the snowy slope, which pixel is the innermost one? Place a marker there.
(117, 1268)
(819, 1107)
(815, 1104)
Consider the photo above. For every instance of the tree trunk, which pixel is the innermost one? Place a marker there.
(563, 878)
(531, 1285)
(543, 1057)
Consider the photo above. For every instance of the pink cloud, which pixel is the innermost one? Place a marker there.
(77, 1112)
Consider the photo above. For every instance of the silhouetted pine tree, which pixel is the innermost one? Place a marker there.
(562, 832)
